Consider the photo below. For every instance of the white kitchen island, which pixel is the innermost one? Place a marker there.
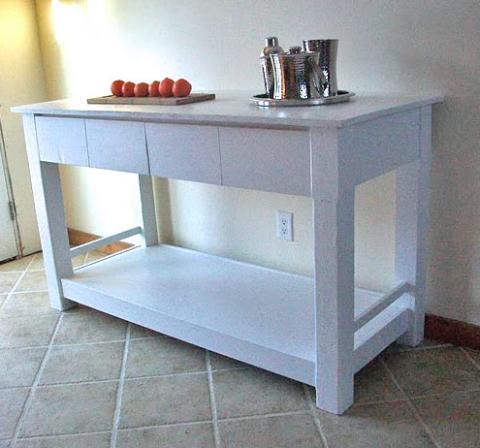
(319, 330)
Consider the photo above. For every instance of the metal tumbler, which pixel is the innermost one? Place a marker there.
(327, 50)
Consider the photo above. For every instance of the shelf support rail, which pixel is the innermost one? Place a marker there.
(101, 242)
(382, 304)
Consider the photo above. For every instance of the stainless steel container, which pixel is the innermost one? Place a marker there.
(297, 76)
(271, 47)
(327, 50)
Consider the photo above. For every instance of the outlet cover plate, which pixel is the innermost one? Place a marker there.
(284, 226)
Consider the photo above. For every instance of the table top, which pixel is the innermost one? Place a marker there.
(234, 107)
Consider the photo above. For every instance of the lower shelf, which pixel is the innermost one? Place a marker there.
(257, 315)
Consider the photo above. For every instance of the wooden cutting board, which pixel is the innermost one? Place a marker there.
(152, 100)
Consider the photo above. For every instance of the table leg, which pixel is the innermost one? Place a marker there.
(333, 224)
(149, 222)
(412, 204)
(47, 193)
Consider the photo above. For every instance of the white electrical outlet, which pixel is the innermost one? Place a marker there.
(285, 226)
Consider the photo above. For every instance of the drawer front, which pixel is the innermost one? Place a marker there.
(269, 160)
(184, 152)
(117, 145)
(62, 140)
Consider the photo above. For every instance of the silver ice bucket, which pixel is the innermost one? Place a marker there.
(327, 50)
(297, 76)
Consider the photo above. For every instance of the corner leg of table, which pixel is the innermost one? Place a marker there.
(149, 222)
(334, 301)
(412, 216)
(47, 194)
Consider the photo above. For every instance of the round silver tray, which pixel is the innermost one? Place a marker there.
(263, 101)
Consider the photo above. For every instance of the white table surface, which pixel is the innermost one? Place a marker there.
(234, 107)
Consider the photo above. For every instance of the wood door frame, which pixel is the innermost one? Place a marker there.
(10, 195)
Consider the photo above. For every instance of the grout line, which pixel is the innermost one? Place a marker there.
(375, 402)
(204, 422)
(65, 435)
(171, 425)
(14, 387)
(470, 357)
(166, 375)
(31, 394)
(27, 347)
(77, 383)
(260, 416)
(74, 344)
(411, 405)
(213, 403)
(29, 291)
(420, 349)
(443, 394)
(166, 425)
(313, 413)
(116, 380)
(6, 316)
(118, 404)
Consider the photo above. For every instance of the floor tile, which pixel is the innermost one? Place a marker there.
(253, 392)
(27, 303)
(136, 331)
(16, 265)
(454, 418)
(163, 355)
(33, 281)
(222, 362)
(70, 409)
(184, 436)
(4, 443)
(86, 325)
(11, 405)
(76, 363)
(290, 431)
(37, 262)
(8, 280)
(386, 425)
(26, 331)
(18, 367)
(435, 371)
(374, 383)
(70, 441)
(163, 400)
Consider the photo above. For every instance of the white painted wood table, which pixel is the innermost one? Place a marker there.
(319, 330)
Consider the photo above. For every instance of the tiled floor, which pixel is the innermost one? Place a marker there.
(81, 379)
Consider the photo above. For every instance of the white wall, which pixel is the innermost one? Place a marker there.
(21, 82)
(385, 46)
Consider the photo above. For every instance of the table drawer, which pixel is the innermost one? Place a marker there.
(117, 145)
(265, 159)
(184, 152)
(62, 140)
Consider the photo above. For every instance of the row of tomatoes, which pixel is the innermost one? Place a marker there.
(166, 88)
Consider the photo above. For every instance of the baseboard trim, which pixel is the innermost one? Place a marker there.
(452, 331)
(77, 238)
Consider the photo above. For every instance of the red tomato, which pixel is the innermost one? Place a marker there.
(141, 89)
(181, 87)
(153, 88)
(128, 88)
(165, 88)
(116, 87)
